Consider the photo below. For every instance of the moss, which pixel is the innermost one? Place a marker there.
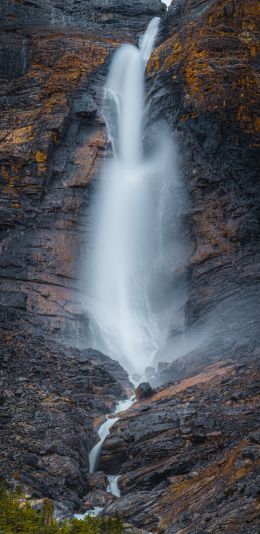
(17, 517)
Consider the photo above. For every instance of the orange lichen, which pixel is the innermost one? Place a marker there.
(216, 370)
(214, 55)
(40, 157)
(219, 476)
(21, 135)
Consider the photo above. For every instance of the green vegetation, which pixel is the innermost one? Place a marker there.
(18, 517)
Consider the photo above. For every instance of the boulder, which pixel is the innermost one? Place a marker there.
(143, 391)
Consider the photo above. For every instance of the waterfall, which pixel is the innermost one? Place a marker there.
(135, 249)
(103, 432)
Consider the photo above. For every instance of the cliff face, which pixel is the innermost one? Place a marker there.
(52, 66)
(51, 399)
(53, 61)
(203, 81)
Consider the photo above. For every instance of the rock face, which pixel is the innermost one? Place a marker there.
(53, 63)
(203, 83)
(51, 399)
(188, 457)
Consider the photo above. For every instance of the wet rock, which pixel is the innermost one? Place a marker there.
(143, 391)
(98, 497)
(97, 480)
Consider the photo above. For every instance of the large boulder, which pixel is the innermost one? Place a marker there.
(143, 391)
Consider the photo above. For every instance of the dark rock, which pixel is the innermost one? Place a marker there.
(47, 432)
(149, 449)
(143, 391)
(31, 459)
(84, 105)
(255, 437)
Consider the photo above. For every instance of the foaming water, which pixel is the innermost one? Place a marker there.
(135, 249)
(104, 430)
(103, 433)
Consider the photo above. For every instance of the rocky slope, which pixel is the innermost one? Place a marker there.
(51, 400)
(189, 455)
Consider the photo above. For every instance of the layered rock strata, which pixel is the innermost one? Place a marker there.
(202, 81)
(188, 457)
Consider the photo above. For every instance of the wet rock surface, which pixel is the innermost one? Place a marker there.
(51, 399)
(188, 457)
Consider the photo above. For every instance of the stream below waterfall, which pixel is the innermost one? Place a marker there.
(94, 454)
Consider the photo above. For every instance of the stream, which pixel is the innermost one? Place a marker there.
(94, 454)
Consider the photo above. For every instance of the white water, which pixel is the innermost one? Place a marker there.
(94, 512)
(113, 486)
(135, 247)
(104, 431)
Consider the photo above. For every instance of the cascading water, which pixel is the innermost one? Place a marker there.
(135, 250)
